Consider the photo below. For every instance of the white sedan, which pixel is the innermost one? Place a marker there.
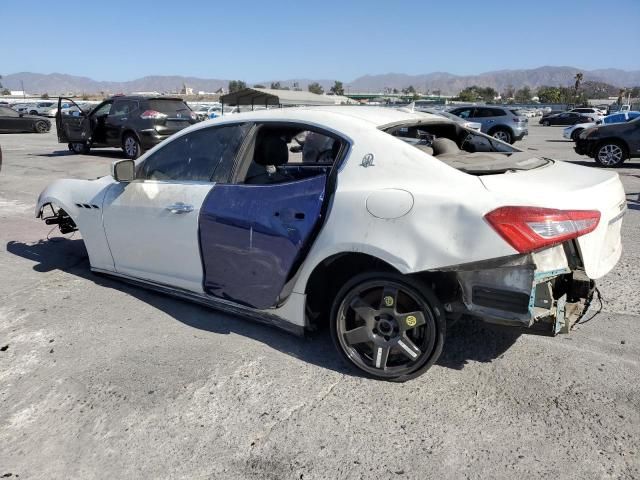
(380, 223)
(572, 132)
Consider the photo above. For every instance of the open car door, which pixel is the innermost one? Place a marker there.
(253, 237)
(74, 127)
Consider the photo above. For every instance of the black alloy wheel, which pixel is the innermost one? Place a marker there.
(41, 127)
(388, 325)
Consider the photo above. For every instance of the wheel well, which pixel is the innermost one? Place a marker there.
(500, 127)
(617, 141)
(332, 273)
(129, 132)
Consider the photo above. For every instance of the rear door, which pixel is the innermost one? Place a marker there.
(72, 128)
(151, 223)
(116, 120)
(255, 236)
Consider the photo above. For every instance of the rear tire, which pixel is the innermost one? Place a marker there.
(502, 134)
(33, 112)
(131, 146)
(388, 325)
(41, 127)
(546, 123)
(611, 154)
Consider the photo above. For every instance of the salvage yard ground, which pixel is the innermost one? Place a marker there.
(99, 379)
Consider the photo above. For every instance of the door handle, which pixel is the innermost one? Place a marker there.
(180, 207)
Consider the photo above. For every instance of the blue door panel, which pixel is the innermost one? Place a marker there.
(252, 236)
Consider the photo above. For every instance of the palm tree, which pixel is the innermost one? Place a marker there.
(620, 95)
(578, 78)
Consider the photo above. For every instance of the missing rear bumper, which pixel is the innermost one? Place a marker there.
(542, 293)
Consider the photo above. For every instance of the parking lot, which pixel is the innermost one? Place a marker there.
(101, 379)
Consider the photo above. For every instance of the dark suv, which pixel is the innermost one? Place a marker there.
(611, 144)
(133, 123)
(502, 123)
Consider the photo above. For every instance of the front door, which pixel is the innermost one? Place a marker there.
(152, 230)
(74, 127)
(151, 223)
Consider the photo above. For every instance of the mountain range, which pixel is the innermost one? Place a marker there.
(446, 83)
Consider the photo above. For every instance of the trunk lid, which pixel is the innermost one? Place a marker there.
(566, 186)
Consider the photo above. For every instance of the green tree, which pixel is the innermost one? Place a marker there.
(315, 87)
(257, 85)
(236, 85)
(275, 86)
(337, 88)
(85, 96)
(547, 94)
(45, 96)
(523, 95)
(6, 91)
(409, 90)
(635, 92)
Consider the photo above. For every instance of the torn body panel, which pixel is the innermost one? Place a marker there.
(546, 291)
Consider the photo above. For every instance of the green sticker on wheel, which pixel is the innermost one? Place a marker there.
(411, 321)
(388, 301)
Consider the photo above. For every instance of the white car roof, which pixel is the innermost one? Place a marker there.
(340, 117)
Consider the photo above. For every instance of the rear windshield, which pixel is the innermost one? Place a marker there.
(168, 107)
(464, 149)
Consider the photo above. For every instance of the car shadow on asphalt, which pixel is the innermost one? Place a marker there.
(466, 341)
(115, 154)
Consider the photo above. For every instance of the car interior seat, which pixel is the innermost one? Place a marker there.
(445, 146)
(271, 153)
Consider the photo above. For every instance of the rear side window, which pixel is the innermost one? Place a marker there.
(488, 112)
(204, 155)
(171, 108)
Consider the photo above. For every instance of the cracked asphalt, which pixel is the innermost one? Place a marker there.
(99, 379)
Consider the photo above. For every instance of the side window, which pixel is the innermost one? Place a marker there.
(120, 108)
(204, 155)
(464, 113)
(286, 153)
(103, 110)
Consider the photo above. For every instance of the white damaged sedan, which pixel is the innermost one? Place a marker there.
(380, 223)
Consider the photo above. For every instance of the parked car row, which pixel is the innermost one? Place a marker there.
(611, 144)
(504, 123)
(572, 132)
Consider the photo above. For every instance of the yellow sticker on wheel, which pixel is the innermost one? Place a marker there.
(411, 321)
(388, 301)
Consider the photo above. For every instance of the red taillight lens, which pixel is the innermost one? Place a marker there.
(152, 114)
(531, 228)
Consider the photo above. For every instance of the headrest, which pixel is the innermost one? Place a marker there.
(444, 145)
(272, 150)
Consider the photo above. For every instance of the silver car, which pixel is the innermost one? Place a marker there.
(501, 122)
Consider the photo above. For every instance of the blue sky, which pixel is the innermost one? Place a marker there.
(263, 40)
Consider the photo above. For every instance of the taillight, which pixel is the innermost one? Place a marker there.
(531, 228)
(153, 115)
